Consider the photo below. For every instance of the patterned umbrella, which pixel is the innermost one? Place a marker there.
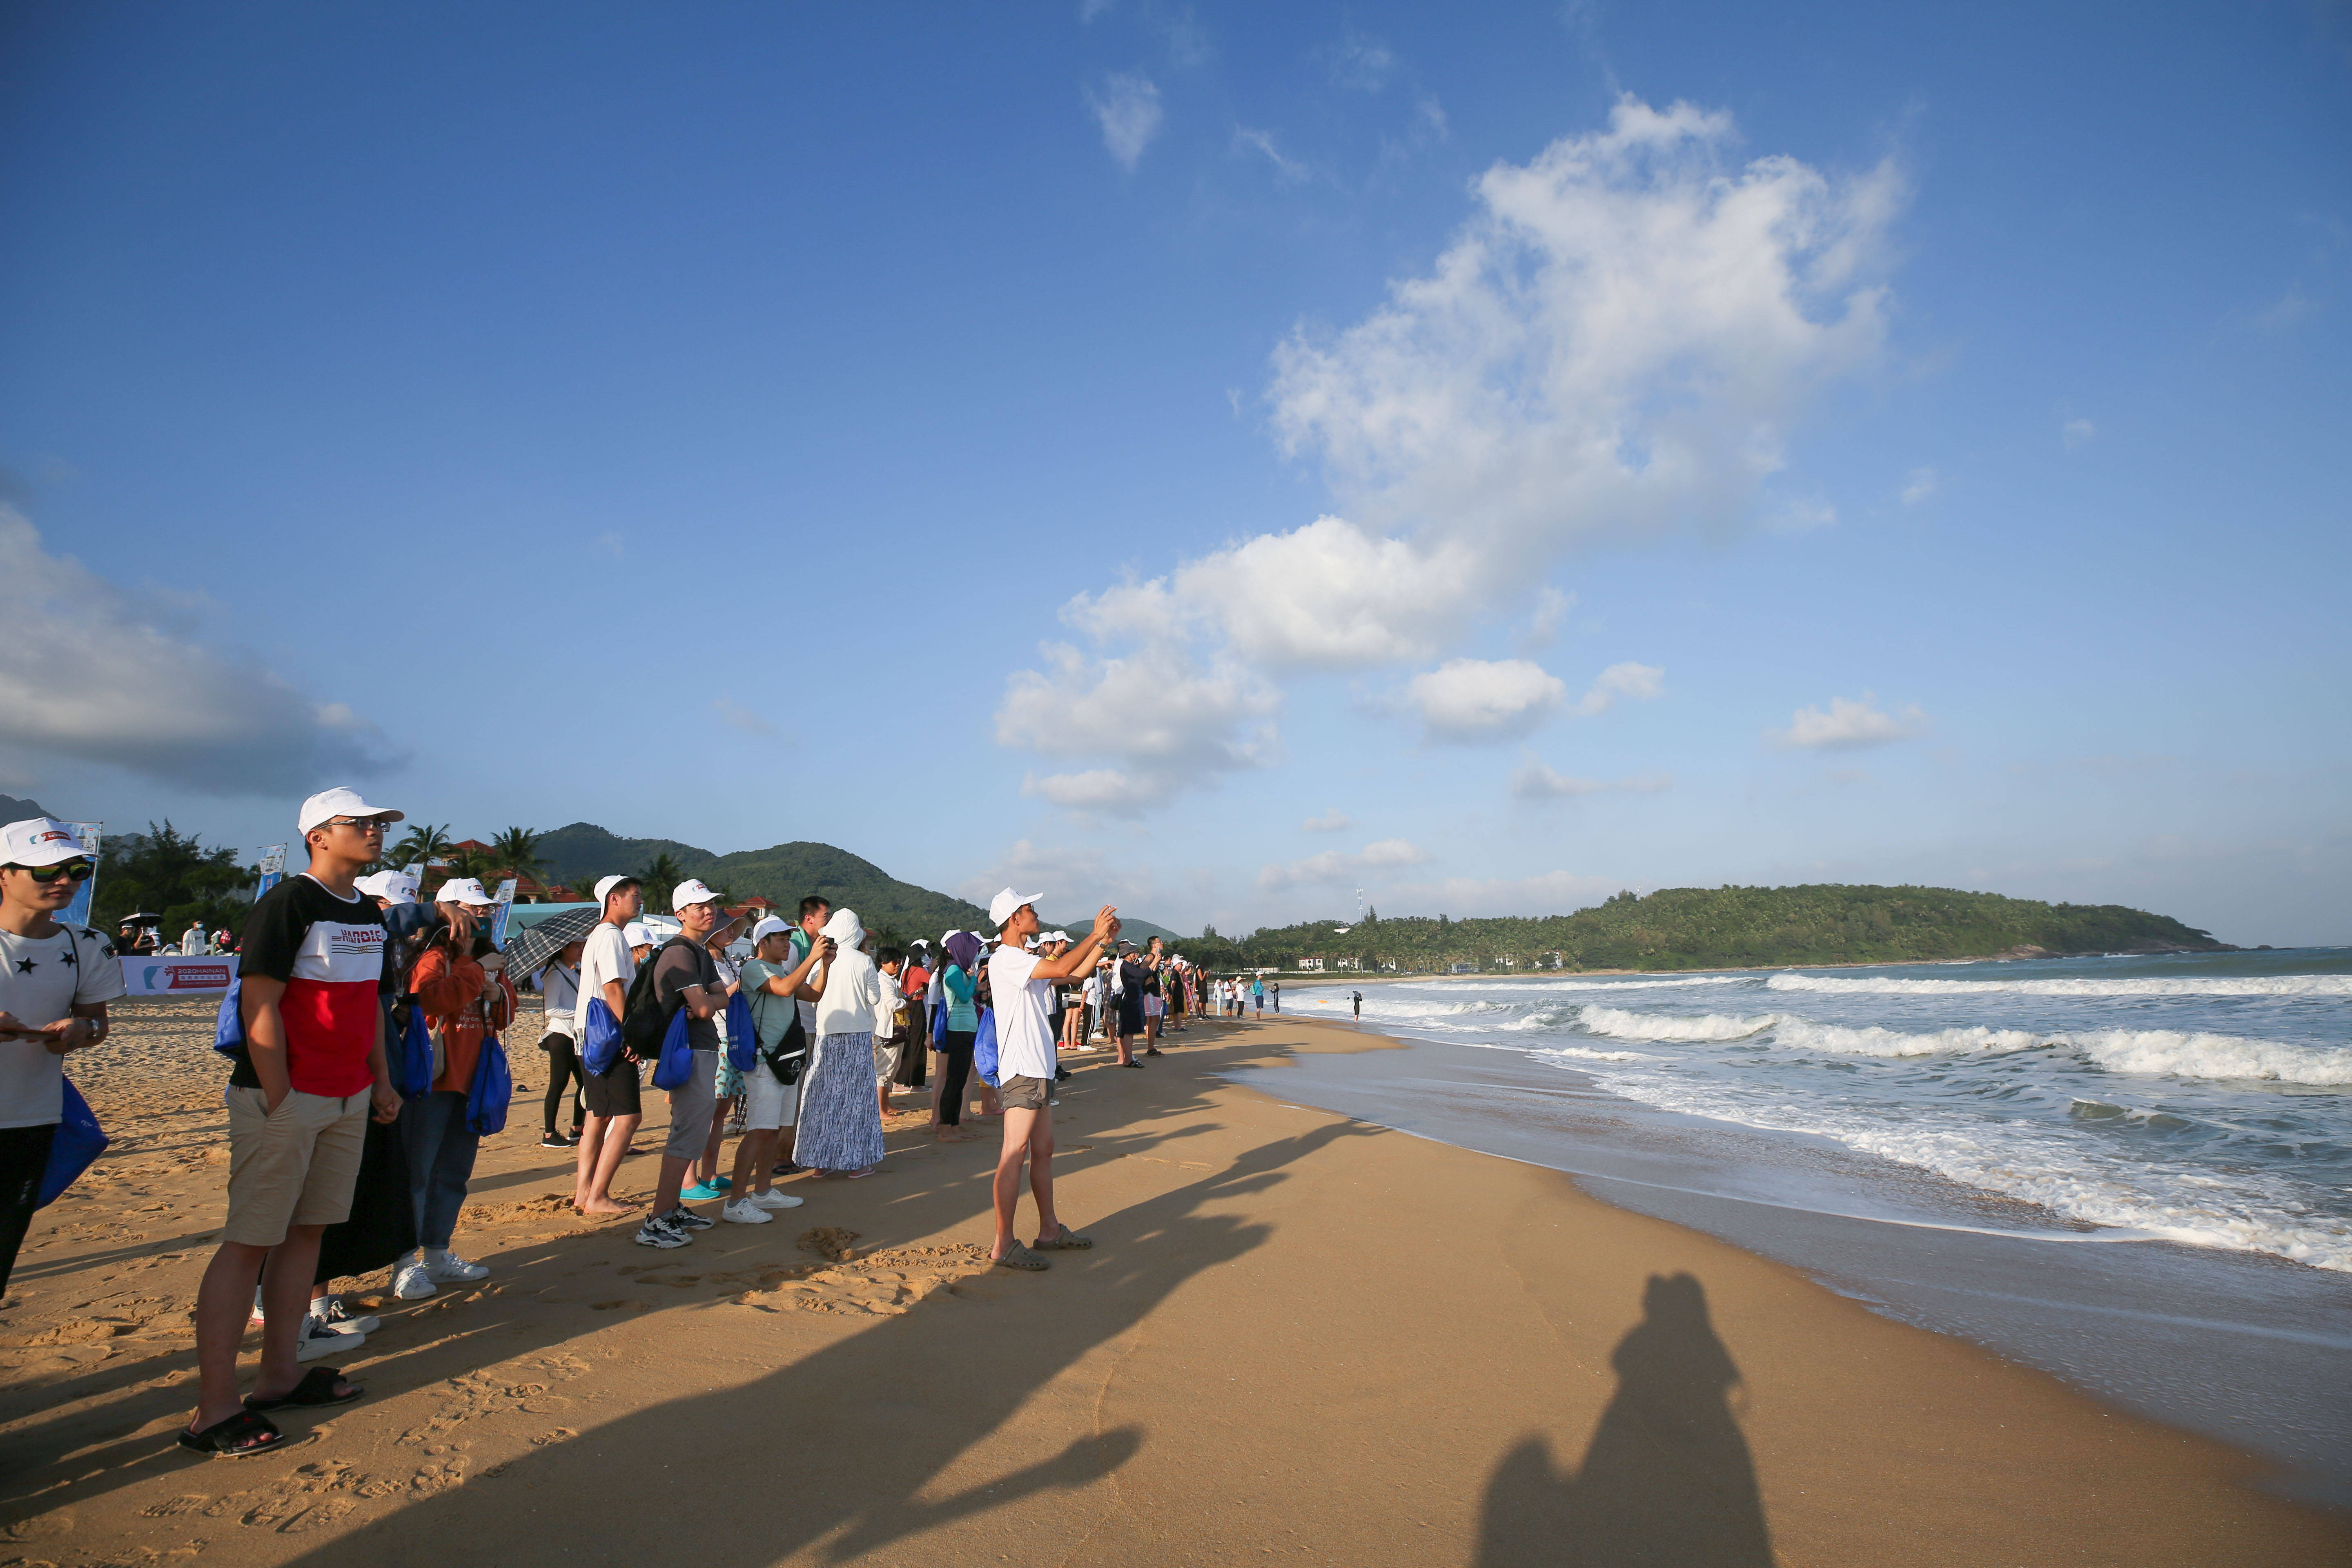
(529, 951)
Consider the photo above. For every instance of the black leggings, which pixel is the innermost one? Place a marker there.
(957, 1048)
(24, 1160)
(563, 1069)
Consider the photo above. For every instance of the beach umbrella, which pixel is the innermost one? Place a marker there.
(529, 951)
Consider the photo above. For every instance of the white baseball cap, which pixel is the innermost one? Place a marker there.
(339, 802)
(691, 891)
(40, 841)
(1002, 907)
(400, 887)
(636, 934)
(461, 890)
(767, 928)
(605, 886)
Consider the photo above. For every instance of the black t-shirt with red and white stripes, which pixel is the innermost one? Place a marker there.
(330, 952)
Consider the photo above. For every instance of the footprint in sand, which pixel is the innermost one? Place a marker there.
(886, 1283)
(560, 1435)
(186, 1502)
(318, 1516)
(621, 1306)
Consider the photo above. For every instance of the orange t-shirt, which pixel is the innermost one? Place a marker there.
(449, 988)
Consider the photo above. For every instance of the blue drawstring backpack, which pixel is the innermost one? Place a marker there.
(743, 1035)
(676, 1062)
(600, 1046)
(411, 1056)
(984, 1047)
(939, 1027)
(228, 1025)
(491, 1091)
(77, 1141)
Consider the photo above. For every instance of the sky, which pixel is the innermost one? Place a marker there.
(1230, 461)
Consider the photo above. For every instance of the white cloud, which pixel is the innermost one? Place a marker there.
(2076, 432)
(1538, 782)
(1332, 821)
(1848, 726)
(1129, 108)
(1073, 883)
(1337, 866)
(735, 716)
(1635, 682)
(1551, 893)
(1361, 62)
(1616, 344)
(1551, 608)
(1473, 699)
(1171, 724)
(1919, 486)
(90, 672)
(1803, 517)
(1290, 169)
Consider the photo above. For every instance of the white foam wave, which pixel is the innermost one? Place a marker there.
(1618, 1023)
(1580, 1054)
(2178, 1054)
(1803, 1034)
(2218, 986)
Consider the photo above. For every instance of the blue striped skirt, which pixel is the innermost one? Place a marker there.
(840, 1124)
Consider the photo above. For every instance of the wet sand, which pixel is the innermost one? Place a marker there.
(1298, 1336)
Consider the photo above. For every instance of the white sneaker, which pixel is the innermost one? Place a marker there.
(317, 1339)
(336, 1313)
(255, 1321)
(445, 1266)
(743, 1211)
(413, 1282)
(772, 1199)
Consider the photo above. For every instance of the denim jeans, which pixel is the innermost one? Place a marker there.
(441, 1149)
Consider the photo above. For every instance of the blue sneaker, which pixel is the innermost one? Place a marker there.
(700, 1193)
(722, 1182)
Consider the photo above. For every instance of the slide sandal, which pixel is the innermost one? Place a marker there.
(241, 1435)
(1069, 1241)
(316, 1389)
(1022, 1258)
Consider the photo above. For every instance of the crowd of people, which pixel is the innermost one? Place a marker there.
(363, 1040)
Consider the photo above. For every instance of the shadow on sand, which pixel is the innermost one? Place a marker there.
(1667, 1480)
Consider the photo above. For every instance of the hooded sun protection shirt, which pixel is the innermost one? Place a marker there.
(853, 987)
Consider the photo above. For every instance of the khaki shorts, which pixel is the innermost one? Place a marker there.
(886, 1062)
(1024, 1093)
(295, 1167)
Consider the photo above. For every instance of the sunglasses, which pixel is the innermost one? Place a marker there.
(79, 870)
(365, 823)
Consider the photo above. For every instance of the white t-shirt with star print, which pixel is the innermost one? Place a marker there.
(42, 980)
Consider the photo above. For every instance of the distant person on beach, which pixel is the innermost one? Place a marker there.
(960, 989)
(685, 978)
(1019, 981)
(466, 997)
(1358, 999)
(614, 1108)
(1257, 994)
(840, 1120)
(1125, 1004)
(560, 983)
(773, 981)
(309, 1072)
(55, 983)
(892, 1027)
(1275, 992)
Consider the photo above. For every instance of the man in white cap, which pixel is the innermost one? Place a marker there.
(606, 968)
(775, 982)
(686, 977)
(309, 1072)
(465, 997)
(1022, 984)
(55, 983)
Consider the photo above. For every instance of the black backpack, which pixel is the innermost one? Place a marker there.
(645, 1020)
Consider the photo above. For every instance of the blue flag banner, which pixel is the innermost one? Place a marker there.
(78, 913)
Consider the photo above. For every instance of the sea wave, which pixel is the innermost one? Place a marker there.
(1618, 1023)
(1578, 1052)
(1803, 1034)
(2152, 985)
(2179, 1054)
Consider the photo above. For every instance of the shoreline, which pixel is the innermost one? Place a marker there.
(1300, 1332)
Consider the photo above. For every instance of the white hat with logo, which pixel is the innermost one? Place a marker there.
(691, 891)
(39, 841)
(636, 934)
(329, 804)
(462, 890)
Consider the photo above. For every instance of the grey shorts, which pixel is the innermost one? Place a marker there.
(1024, 1093)
(690, 1108)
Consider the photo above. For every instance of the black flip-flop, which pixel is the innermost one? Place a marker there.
(316, 1389)
(228, 1439)
(1137, 1065)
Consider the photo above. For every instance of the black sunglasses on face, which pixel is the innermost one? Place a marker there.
(79, 870)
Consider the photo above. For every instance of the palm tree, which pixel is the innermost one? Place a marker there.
(516, 849)
(660, 875)
(472, 863)
(422, 843)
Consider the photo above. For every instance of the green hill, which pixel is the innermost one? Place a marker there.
(1729, 928)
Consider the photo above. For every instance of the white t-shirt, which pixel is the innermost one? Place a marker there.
(606, 957)
(1024, 1039)
(561, 987)
(41, 981)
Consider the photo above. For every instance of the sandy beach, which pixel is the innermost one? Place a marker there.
(1299, 1336)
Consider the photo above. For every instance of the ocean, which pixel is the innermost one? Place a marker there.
(2134, 1171)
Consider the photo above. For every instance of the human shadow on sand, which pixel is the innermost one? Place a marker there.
(1666, 1481)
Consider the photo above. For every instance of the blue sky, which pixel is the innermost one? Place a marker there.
(1213, 458)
